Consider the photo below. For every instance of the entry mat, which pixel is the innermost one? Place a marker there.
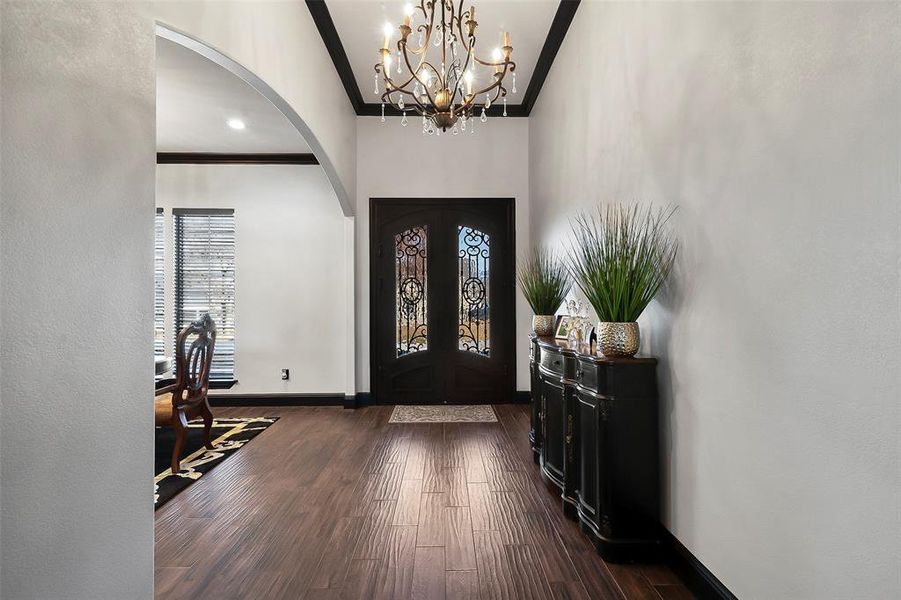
(482, 413)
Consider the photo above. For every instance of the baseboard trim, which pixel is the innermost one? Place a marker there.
(276, 399)
(362, 399)
(697, 578)
(358, 400)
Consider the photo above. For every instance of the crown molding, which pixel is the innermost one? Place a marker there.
(214, 158)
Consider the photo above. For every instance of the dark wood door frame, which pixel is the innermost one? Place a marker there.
(509, 251)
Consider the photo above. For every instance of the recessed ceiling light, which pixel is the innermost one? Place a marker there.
(236, 124)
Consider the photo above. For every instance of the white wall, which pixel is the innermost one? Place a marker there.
(290, 296)
(279, 43)
(776, 128)
(76, 312)
(398, 162)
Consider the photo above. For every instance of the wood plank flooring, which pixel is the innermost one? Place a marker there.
(339, 504)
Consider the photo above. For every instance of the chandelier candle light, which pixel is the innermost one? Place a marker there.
(442, 86)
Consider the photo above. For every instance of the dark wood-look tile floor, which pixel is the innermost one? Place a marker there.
(332, 503)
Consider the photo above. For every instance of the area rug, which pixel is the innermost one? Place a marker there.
(443, 414)
(229, 436)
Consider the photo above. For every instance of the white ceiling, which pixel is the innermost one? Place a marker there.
(359, 24)
(195, 98)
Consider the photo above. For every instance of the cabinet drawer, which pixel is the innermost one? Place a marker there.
(591, 375)
(553, 362)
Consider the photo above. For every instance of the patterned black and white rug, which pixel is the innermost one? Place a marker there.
(476, 413)
(229, 436)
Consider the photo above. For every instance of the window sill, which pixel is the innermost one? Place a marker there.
(222, 384)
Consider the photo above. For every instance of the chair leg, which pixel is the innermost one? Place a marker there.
(180, 425)
(207, 424)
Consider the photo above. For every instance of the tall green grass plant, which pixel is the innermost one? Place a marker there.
(545, 281)
(620, 258)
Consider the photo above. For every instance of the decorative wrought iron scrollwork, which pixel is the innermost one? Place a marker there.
(474, 334)
(410, 291)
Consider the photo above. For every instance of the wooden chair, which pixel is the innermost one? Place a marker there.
(185, 400)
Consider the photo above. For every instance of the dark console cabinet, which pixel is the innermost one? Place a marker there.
(595, 438)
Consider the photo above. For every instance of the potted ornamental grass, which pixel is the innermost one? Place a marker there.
(619, 259)
(545, 281)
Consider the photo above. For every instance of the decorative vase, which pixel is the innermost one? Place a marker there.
(543, 325)
(618, 339)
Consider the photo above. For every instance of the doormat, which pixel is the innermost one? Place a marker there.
(482, 413)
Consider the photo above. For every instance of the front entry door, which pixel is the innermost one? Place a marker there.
(442, 300)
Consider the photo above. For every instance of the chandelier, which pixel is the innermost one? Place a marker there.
(437, 78)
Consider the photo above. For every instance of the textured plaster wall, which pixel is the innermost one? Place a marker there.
(290, 271)
(776, 127)
(76, 300)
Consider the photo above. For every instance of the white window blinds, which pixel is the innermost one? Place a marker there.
(205, 278)
(159, 284)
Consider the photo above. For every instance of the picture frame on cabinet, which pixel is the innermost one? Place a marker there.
(562, 327)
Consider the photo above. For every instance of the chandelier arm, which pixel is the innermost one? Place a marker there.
(425, 8)
(427, 27)
(459, 24)
(424, 48)
(386, 98)
(386, 95)
(426, 63)
(400, 88)
(487, 89)
(415, 73)
(486, 63)
(497, 83)
(422, 8)
(463, 38)
(443, 44)
(469, 42)
(457, 86)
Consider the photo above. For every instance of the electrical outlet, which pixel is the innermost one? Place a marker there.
(285, 374)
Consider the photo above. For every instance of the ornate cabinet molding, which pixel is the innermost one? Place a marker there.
(595, 437)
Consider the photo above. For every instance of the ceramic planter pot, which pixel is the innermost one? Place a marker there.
(618, 339)
(543, 325)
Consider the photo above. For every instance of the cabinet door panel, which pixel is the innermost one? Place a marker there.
(553, 447)
(535, 389)
(588, 482)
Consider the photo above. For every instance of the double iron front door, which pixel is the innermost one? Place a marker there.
(442, 300)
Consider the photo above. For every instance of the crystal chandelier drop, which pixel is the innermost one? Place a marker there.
(436, 77)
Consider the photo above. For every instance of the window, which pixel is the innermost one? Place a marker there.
(410, 291)
(474, 256)
(205, 278)
(159, 284)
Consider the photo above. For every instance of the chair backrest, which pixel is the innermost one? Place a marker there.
(193, 362)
